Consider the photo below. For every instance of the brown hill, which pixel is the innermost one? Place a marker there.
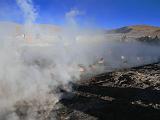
(138, 30)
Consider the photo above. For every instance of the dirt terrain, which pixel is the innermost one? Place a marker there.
(128, 94)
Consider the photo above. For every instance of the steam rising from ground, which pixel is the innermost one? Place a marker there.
(34, 62)
(28, 10)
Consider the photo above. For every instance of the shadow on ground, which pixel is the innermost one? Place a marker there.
(111, 103)
(131, 94)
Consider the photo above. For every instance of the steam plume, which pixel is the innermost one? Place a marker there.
(31, 71)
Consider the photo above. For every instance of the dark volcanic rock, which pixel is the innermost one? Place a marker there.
(130, 94)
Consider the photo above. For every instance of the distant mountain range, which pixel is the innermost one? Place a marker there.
(137, 30)
(127, 33)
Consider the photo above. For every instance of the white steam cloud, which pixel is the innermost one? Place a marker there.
(33, 65)
(73, 13)
(28, 9)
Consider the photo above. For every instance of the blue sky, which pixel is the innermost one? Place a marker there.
(100, 13)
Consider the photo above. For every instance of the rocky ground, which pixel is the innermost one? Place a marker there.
(128, 94)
